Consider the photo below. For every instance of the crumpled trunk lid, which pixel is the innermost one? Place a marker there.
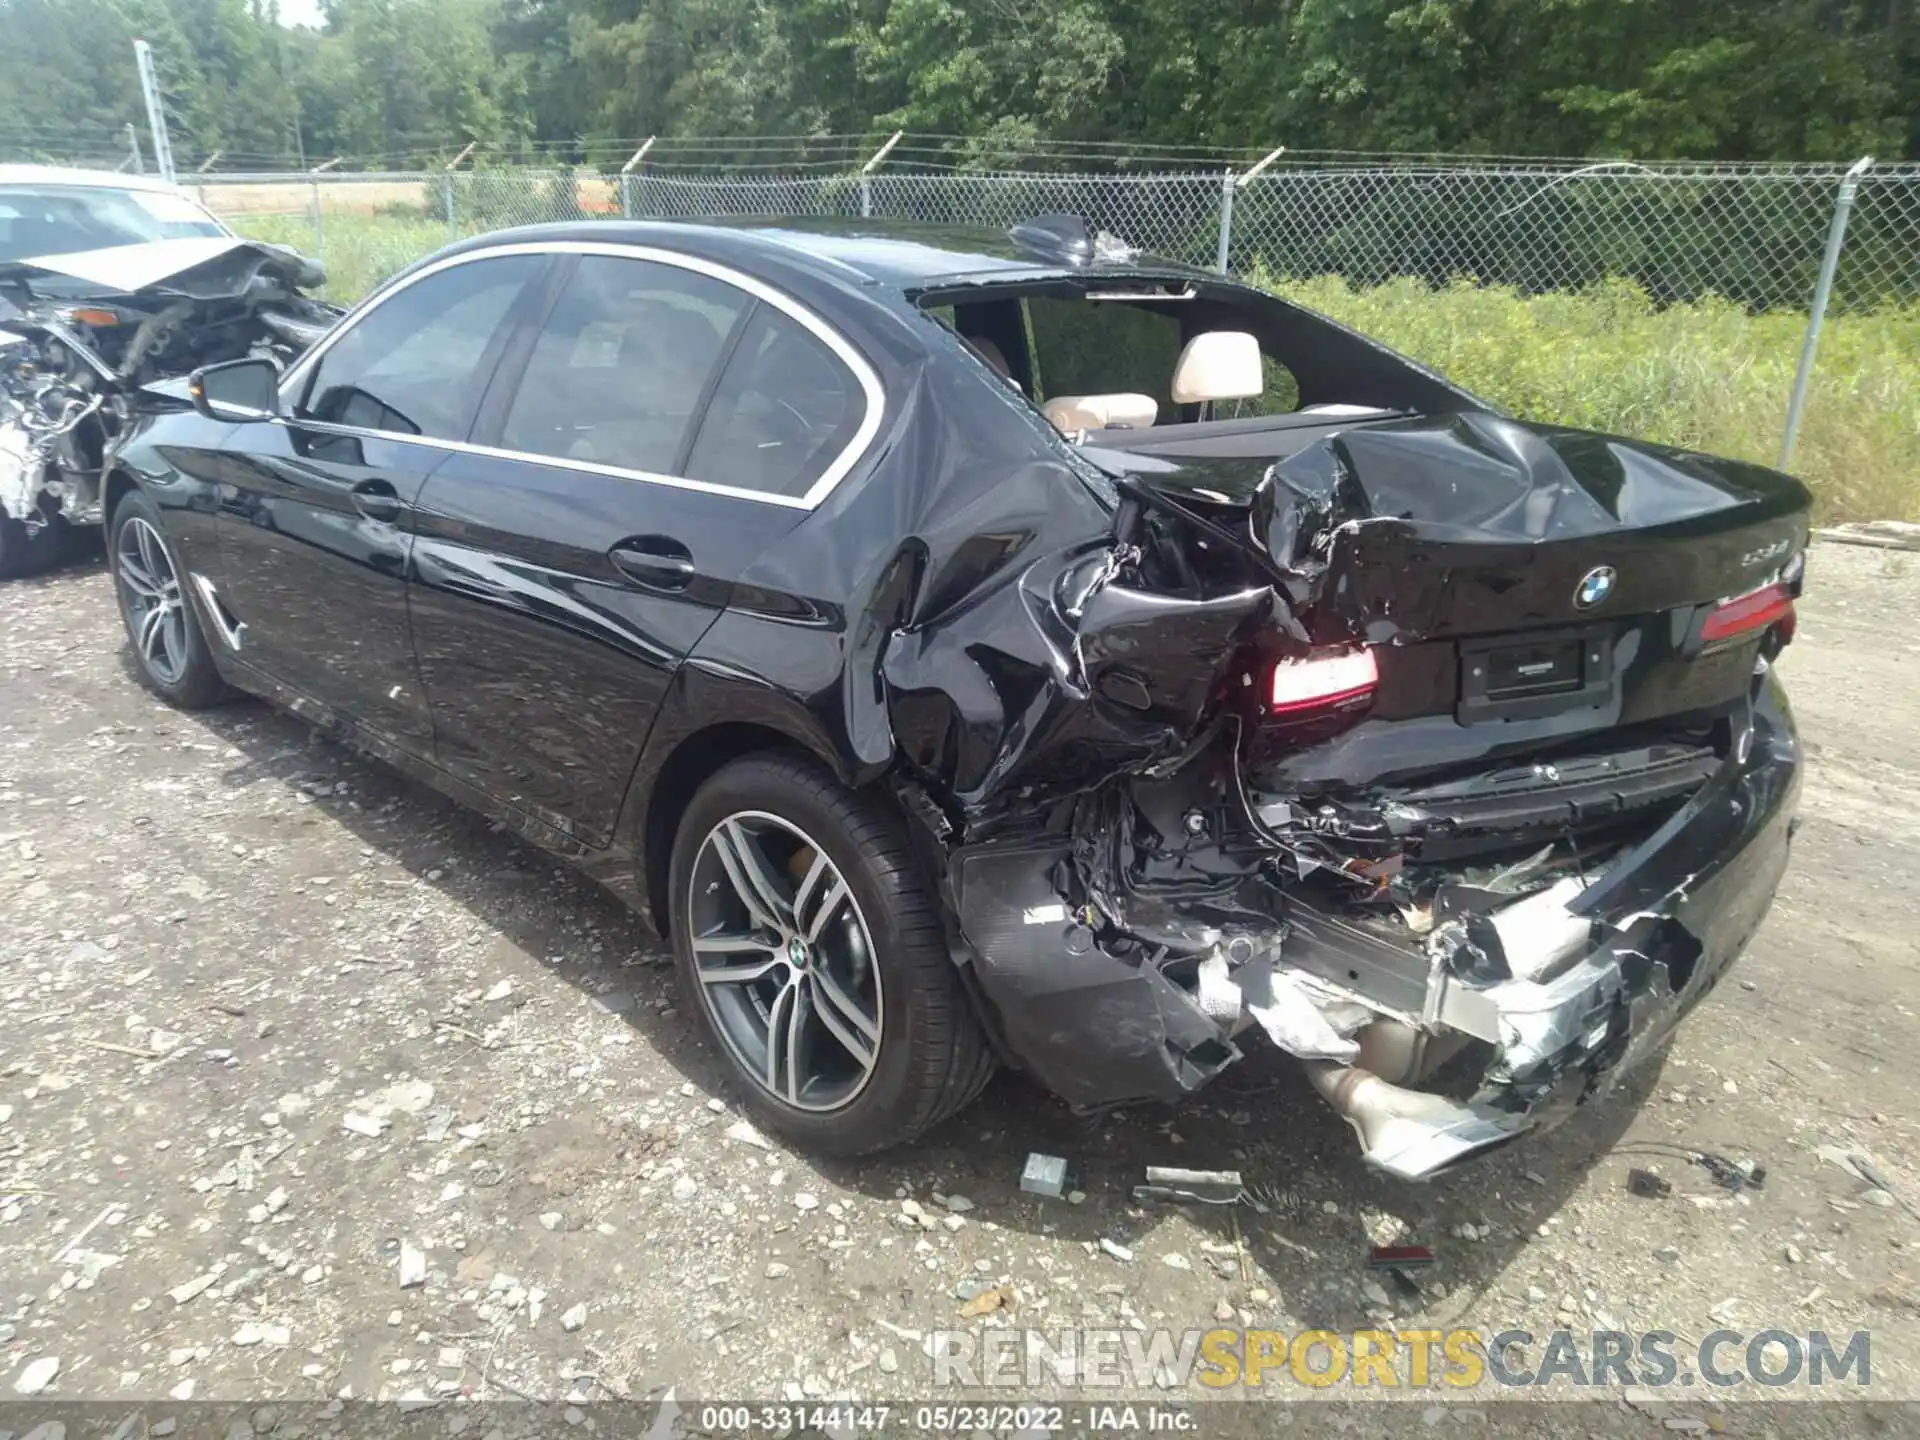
(1467, 525)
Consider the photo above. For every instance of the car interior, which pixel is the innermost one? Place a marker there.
(1155, 370)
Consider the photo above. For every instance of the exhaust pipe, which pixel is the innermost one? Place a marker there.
(1407, 1133)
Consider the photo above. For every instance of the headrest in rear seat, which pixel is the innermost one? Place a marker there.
(1101, 412)
(1219, 365)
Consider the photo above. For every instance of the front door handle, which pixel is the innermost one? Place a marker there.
(377, 500)
(658, 562)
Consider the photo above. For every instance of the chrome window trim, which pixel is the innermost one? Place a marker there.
(836, 471)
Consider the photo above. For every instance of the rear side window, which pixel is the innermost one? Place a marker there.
(785, 408)
(416, 364)
(622, 363)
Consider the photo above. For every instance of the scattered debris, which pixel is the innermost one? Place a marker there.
(742, 1132)
(994, 1297)
(372, 1127)
(1874, 1176)
(1115, 1249)
(1880, 534)
(413, 1266)
(36, 1375)
(181, 1294)
(403, 1097)
(573, 1318)
(1045, 1175)
(1648, 1185)
(1397, 1261)
(1200, 1187)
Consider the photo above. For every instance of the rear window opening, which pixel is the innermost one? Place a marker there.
(1178, 367)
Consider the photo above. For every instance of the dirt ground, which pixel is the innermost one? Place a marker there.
(282, 1034)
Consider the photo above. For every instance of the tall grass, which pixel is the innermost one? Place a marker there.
(359, 251)
(1707, 375)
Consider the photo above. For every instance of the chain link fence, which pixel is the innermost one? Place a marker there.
(1752, 234)
(1785, 244)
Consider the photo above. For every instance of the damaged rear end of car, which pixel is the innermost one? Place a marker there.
(1444, 751)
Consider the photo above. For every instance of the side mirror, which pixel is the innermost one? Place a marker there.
(237, 391)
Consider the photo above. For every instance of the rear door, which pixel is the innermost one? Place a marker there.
(315, 520)
(569, 559)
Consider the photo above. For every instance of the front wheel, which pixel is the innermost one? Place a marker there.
(819, 960)
(170, 651)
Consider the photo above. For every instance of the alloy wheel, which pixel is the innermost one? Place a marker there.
(785, 961)
(150, 590)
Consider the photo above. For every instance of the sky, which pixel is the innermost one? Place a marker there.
(300, 12)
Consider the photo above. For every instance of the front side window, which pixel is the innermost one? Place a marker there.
(622, 363)
(786, 407)
(416, 363)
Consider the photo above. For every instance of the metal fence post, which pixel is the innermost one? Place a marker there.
(319, 227)
(866, 173)
(1225, 248)
(626, 177)
(1822, 292)
(1836, 237)
(1231, 185)
(446, 189)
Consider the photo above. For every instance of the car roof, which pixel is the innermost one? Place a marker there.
(71, 175)
(889, 254)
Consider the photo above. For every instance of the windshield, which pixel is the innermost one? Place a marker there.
(61, 219)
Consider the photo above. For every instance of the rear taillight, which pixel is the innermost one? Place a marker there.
(1316, 682)
(1770, 605)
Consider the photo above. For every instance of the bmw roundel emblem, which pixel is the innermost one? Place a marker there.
(1596, 585)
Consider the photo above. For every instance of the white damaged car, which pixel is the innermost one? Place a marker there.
(109, 284)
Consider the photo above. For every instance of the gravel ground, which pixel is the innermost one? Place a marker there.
(314, 1085)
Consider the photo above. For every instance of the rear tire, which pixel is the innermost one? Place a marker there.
(930, 1059)
(171, 656)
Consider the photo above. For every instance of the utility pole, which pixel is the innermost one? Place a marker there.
(156, 111)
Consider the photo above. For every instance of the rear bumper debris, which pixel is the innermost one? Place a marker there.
(1431, 1066)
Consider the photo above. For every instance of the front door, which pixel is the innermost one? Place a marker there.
(316, 510)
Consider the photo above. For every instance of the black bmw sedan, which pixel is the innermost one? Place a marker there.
(974, 649)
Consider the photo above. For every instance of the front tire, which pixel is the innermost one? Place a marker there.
(171, 656)
(812, 947)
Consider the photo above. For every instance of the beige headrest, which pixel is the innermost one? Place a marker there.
(1070, 413)
(1219, 365)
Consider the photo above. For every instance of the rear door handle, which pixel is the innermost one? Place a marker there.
(658, 562)
(377, 500)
